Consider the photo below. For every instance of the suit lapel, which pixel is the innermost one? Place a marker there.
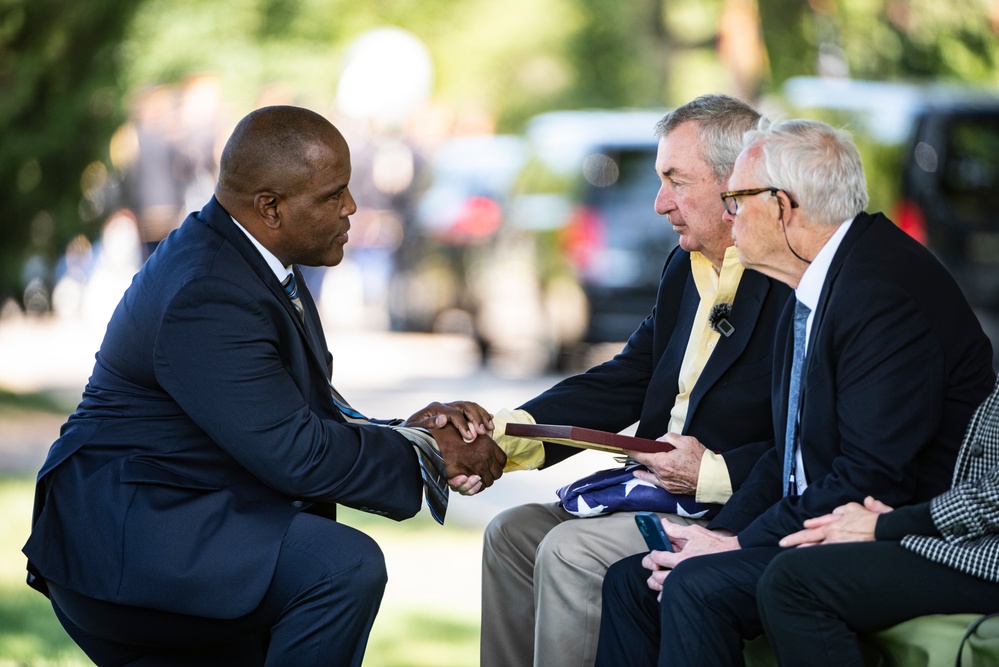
(220, 221)
(666, 376)
(748, 302)
(859, 227)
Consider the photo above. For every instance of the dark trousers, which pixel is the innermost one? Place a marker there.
(318, 610)
(815, 601)
(708, 608)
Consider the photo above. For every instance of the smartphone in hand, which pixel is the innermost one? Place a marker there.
(651, 527)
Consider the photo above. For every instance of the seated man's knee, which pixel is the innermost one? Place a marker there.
(497, 533)
(372, 575)
(560, 547)
(782, 577)
(688, 580)
(514, 534)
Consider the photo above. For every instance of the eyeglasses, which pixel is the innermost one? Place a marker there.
(731, 201)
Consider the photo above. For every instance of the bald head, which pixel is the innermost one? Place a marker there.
(284, 177)
(273, 148)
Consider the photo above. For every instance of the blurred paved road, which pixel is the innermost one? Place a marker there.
(383, 374)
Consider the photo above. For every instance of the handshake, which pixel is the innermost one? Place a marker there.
(463, 432)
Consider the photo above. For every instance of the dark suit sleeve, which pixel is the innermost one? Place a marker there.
(909, 520)
(740, 461)
(607, 397)
(219, 354)
(610, 396)
(874, 398)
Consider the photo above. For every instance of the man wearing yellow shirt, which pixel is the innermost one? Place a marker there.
(681, 376)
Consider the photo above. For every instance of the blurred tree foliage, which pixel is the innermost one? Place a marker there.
(883, 39)
(59, 104)
(66, 69)
(515, 58)
(915, 41)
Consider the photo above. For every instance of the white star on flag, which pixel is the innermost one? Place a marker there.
(582, 509)
(682, 512)
(632, 483)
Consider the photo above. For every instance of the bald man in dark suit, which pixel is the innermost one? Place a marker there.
(187, 513)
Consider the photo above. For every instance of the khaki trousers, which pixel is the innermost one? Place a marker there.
(542, 572)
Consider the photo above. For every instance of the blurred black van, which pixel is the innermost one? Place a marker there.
(584, 206)
(614, 241)
(950, 182)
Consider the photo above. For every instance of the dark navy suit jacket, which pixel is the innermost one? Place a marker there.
(896, 365)
(206, 426)
(730, 404)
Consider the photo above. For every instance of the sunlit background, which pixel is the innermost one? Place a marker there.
(503, 167)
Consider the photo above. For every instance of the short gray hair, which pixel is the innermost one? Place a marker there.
(721, 123)
(817, 165)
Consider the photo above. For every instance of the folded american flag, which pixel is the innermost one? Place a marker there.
(618, 490)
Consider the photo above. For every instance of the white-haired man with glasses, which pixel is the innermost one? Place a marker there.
(879, 364)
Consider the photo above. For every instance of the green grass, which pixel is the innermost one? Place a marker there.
(29, 632)
(11, 402)
(429, 615)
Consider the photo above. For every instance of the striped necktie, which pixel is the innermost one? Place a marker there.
(801, 312)
(290, 286)
(432, 468)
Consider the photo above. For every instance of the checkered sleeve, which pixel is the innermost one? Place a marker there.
(968, 514)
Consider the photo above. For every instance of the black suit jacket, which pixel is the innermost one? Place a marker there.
(206, 426)
(896, 364)
(730, 403)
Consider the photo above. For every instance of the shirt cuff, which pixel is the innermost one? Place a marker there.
(713, 482)
(521, 453)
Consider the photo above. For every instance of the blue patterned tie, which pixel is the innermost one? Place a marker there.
(432, 468)
(801, 312)
(290, 286)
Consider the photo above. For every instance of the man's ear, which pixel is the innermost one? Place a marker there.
(265, 204)
(788, 209)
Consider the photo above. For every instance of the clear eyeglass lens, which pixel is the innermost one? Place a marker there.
(731, 205)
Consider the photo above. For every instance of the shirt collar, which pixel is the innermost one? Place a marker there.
(730, 263)
(810, 287)
(280, 270)
(712, 282)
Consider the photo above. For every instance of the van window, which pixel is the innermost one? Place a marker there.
(970, 173)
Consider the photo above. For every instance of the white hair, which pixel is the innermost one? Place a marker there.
(817, 165)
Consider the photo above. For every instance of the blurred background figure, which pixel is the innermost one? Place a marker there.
(386, 77)
(167, 154)
(91, 278)
(385, 177)
(201, 134)
(451, 238)
(155, 169)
